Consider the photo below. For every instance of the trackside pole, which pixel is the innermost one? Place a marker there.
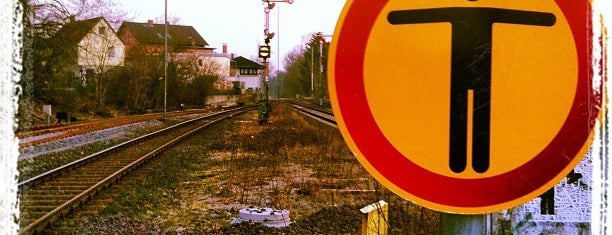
(375, 218)
(454, 224)
(47, 111)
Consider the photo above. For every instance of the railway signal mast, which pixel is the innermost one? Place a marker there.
(264, 53)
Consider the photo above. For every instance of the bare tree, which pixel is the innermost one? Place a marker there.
(65, 11)
(145, 82)
(173, 20)
(305, 73)
(297, 73)
(51, 67)
(98, 52)
(192, 78)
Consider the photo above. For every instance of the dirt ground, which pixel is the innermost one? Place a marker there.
(291, 163)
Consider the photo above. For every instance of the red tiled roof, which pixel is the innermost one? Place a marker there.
(178, 35)
(74, 32)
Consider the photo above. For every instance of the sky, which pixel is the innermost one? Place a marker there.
(240, 23)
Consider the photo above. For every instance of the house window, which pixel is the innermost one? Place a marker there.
(102, 30)
(111, 52)
(248, 71)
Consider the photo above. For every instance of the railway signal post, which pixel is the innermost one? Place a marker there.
(264, 53)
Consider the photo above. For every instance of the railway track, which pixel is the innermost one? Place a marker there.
(43, 134)
(323, 115)
(54, 194)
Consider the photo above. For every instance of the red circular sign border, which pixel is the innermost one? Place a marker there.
(439, 189)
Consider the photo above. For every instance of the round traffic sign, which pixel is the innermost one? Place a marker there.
(465, 107)
(264, 51)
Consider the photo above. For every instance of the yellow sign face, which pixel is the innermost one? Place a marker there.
(528, 103)
(464, 106)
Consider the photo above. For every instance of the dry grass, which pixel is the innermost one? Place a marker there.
(290, 163)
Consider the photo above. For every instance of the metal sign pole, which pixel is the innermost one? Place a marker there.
(464, 224)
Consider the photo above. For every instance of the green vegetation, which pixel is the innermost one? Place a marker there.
(305, 69)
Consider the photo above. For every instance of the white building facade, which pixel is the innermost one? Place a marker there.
(101, 48)
(565, 209)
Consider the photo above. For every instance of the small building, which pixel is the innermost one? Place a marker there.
(248, 73)
(94, 45)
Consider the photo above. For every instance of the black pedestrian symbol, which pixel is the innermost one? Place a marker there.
(472, 30)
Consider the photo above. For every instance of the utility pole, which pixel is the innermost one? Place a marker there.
(165, 58)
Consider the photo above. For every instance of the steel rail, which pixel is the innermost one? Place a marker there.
(68, 130)
(65, 208)
(322, 115)
(92, 157)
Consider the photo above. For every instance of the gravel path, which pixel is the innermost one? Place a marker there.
(79, 140)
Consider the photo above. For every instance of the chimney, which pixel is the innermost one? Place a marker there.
(224, 48)
(150, 23)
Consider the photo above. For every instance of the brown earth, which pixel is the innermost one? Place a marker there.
(291, 163)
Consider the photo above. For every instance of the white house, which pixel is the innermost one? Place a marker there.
(96, 44)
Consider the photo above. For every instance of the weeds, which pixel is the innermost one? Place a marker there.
(290, 163)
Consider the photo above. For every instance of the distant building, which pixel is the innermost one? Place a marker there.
(184, 43)
(93, 45)
(564, 209)
(148, 38)
(248, 73)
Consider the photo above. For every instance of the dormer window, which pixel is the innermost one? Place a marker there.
(102, 30)
(160, 35)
